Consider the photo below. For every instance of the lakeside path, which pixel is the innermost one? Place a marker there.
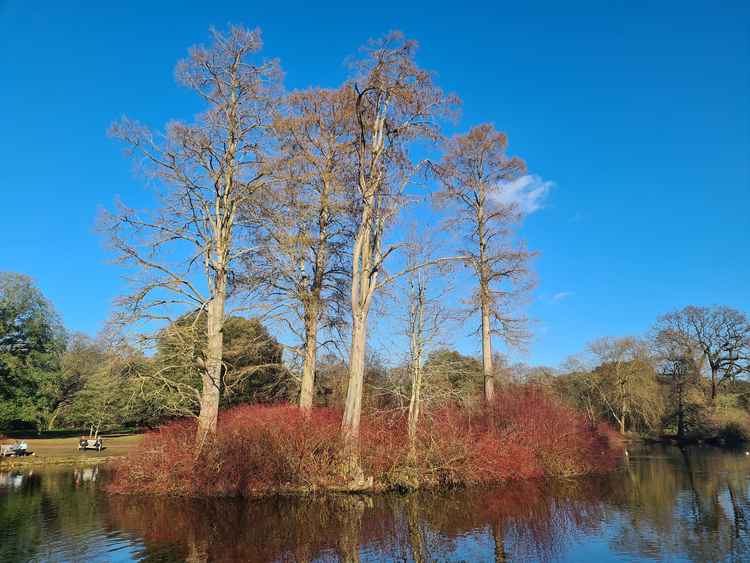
(65, 451)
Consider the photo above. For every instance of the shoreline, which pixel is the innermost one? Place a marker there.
(372, 491)
(33, 460)
(713, 441)
(367, 488)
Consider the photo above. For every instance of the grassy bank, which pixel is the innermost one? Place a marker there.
(264, 450)
(57, 450)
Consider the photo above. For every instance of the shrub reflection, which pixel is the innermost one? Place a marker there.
(664, 503)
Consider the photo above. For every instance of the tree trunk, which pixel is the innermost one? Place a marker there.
(714, 384)
(353, 405)
(307, 388)
(211, 391)
(313, 306)
(622, 424)
(416, 346)
(53, 418)
(414, 403)
(362, 280)
(489, 379)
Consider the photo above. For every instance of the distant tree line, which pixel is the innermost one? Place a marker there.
(662, 384)
(686, 378)
(52, 379)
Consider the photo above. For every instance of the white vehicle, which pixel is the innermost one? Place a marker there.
(93, 442)
(15, 450)
(90, 444)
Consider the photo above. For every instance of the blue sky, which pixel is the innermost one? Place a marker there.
(634, 115)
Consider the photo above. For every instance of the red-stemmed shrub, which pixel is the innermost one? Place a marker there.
(525, 433)
(560, 438)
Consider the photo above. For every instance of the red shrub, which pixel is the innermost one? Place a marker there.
(257, 448)
(524, 434)
(561, 439)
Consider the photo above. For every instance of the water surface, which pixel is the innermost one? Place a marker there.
(665, 503)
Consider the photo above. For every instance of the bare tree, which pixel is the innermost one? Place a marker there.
(301, 263)
(577, 385)
(184, 252)
(722, 335)
(425, 319)
(681, 363)
(396, 104)
(474, 172)
(626, 382)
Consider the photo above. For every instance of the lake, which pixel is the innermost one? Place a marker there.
(664, 503)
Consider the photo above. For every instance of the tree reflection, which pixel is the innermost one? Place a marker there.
(37, 507)
(687, 502)
(664, 503)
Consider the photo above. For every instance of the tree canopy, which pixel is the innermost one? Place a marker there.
(32, 341)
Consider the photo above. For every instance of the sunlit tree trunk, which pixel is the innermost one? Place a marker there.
(211, 388)
(353, 405)
(363, 285)
(307, 388)
(485, 304)
(53, 418)
(414, 405)
(416, 351)
(314, 301)
(489, 379)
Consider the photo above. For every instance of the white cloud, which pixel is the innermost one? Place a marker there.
(526, 192)
(561, 295)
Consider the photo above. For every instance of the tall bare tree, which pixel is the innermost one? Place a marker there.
(474, 172)
(184, 252)
(722, 334)
(396, 104)
(304, 238)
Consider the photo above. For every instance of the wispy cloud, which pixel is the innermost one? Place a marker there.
(557, 297)
(527, 192)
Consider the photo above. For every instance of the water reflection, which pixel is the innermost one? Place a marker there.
(664, 503)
